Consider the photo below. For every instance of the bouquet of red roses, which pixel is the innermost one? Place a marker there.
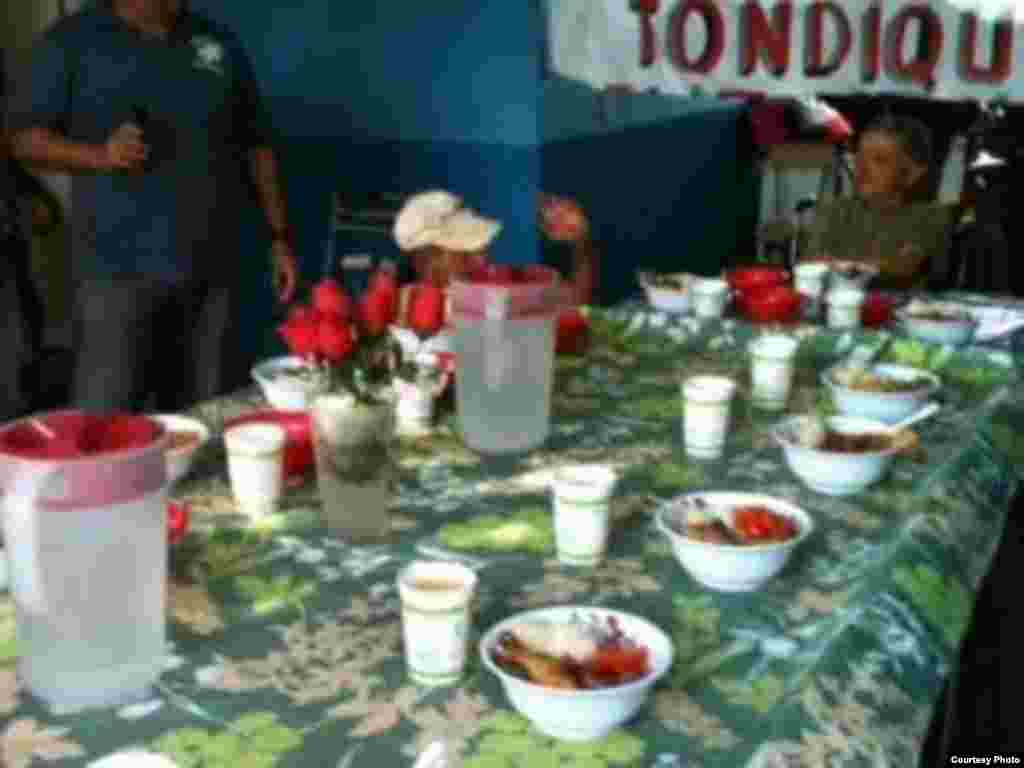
(346, 341)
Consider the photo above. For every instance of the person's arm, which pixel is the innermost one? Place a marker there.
(264, 172)
(585, 260)
(926, 245)
(39, 120)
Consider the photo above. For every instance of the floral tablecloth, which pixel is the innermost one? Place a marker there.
(286, 647)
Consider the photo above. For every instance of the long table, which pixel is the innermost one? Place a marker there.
(285, 644)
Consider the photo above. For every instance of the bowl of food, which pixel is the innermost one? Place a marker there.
(838, 456)
(288, 383)
(751, 280)
(298, 447)
(937, 322)
(886, 393)
(851, 275)
(668, 292)
(733, 542)
(185, 437)
(576, 672)
(780, 304)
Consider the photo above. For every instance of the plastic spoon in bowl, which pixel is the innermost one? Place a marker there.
(922, 414)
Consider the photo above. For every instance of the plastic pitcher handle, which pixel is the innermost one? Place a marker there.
(21, 532)
(495, 317)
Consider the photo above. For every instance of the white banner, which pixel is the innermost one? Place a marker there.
(942, 49)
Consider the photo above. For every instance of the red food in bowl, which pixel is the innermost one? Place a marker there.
(298, 448)
(877, 310)
(776, 305)
(753, 280)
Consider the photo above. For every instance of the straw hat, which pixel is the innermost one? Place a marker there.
(439, 218)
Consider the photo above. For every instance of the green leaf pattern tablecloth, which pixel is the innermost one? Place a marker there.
(286, 644)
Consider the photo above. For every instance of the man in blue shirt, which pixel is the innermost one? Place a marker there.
(155, 111)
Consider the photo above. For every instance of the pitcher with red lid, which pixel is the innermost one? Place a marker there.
(505, 320)
(84, 505)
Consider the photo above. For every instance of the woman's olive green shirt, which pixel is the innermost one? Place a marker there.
(903, 243)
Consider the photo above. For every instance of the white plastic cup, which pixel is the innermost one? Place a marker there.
(710, 295)
(844, 307)
(772, 359)
(256, 467)
(436, 598)
(581, 496)
(707, 402)
(414, 408)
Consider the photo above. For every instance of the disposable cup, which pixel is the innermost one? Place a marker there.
(436, 619)
(256, 467)
(772, 359)
(707, 402)
(581, 497)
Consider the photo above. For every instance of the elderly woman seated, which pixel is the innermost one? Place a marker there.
(888, 223)
(445, 240)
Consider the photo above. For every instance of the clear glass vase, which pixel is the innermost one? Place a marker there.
(355, 467)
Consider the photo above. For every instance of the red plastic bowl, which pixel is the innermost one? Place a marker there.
(877, 310)
(776, 305)
(752, 280)
(298, 450)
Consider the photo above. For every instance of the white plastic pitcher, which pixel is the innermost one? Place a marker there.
(84, 507)
(504, 357)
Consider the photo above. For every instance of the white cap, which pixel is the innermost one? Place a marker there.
(439, 218)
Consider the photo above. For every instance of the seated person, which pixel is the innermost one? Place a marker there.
(446, 240)
(888, 223)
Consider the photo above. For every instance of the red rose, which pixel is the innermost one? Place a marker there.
(329, 298)
(376, 312)
(384, 283)
(335, 340)
(426, 309)
(177, 522)
(572, 335)
(299, 331)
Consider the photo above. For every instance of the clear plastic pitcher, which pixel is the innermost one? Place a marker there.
(84, 507)
(504, 357)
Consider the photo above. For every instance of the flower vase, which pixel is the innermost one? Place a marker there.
(353, 442)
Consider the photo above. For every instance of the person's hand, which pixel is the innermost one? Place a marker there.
(286, 270)
(125, 150)
(562, 219)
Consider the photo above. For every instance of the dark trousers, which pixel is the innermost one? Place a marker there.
(21, 325)
(143, 343)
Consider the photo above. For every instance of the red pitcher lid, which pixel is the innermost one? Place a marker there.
(501, 290)
(68, 435)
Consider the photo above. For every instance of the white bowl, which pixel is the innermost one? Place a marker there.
(887, 407)
(179, 461)
(731, 568)
(955, 332)
(672, 300)
(581, 715)
(285, 394)
(830, 472)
